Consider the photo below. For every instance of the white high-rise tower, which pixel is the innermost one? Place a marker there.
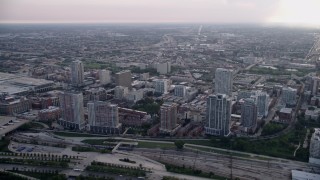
(218, 115)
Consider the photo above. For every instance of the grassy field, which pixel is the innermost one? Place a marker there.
(69, 134)
(281, 147)
(103, 141)
(160, 145)
(4, 145)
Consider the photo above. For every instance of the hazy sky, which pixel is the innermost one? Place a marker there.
(155, 11)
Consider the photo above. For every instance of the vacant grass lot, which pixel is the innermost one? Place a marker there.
(160, 145)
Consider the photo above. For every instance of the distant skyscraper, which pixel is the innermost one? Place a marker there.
(180, 90)
(123, 78)
(223, 81)
(289, 96)
(163, 68)
(72, 115)
(104, 76)
(168, 117)
(77, 73)
(103, 117)
(218, 115)
(161, 86)
(249, 114)
(314, 157)
(120, 92)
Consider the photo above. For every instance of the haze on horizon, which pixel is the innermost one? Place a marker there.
(291, 12)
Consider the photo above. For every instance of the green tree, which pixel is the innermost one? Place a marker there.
(179, 144)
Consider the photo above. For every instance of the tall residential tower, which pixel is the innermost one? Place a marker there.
(72, 114)
(218, 115)
(103, 117)
(77, 73)
(223, 81)
(168, 117)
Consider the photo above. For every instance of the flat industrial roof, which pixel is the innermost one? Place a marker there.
(286, 110)
(14, 84)
(12, 89)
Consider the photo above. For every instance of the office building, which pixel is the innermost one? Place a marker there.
(161, 86)
(163, 68)
(103, 117)
(105, 76)
(314, 156)
(77, 73)
(120, 92)
(289, 96)
(123, 78)
(249, 115)
(223, 81)
(180, 90)
(72, 113)
(218, 115)
(168, 117)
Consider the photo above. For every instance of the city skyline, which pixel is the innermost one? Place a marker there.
(286, 12)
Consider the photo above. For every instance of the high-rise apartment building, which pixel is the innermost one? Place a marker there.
(123, 78)
(262, 101)
(168, 117)
(249, 114)
(105, 76)
(77, 73)
(218, 115)
(72, 114)
(103, 117)
(161, 86)
(120, 92)
(163, 68)
(289, 96)
(315, 147)
(314, 85)
(180, 90)
(223, 81)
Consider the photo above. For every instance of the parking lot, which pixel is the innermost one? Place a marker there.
(31, 148)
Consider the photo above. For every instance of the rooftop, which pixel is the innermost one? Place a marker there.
(286, 110)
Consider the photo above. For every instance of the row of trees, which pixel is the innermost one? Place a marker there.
(41, 155)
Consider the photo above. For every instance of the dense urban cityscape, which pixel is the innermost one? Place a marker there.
(159, 102)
